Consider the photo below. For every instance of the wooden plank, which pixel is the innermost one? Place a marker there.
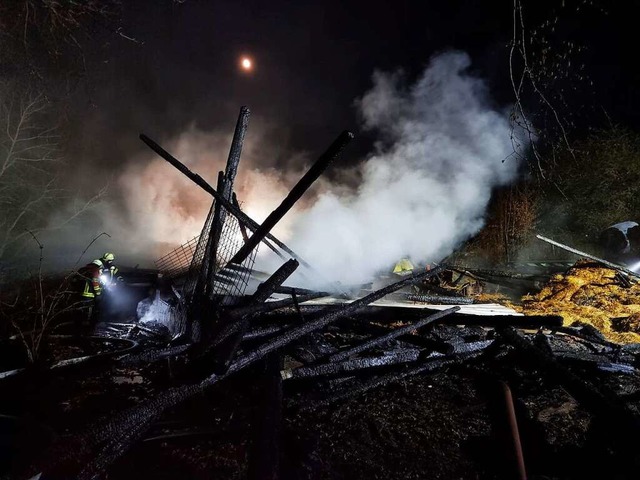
(474, 309)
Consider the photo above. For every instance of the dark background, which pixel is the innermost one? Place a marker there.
(313, 59)
(161, 67)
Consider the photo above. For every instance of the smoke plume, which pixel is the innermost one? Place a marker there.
(441, 150)
(426, 187)
(150, 208)
(171, 210)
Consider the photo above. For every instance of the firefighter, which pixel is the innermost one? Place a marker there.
(97, 275)
(403, 267)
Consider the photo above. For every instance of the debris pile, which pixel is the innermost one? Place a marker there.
(279, 355)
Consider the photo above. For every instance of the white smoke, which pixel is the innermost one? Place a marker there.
(424, 190)
(158, 208)
(169, 209)
(427, 186)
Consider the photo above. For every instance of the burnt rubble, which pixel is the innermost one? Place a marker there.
(267, 384)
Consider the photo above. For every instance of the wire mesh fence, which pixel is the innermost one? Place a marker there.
(207, 279)
(187, 259)
(208, 275)
(178, 261)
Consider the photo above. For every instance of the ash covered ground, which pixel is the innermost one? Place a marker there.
(448, 423)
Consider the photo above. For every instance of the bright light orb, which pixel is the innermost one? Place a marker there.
(246, 64)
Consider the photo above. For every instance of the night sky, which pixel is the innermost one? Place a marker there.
(313, 60)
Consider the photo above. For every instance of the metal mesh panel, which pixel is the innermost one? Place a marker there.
(206, 278)
(177, 262)
(219, 281)
(196, 268)
(232, 280)
(188, 259)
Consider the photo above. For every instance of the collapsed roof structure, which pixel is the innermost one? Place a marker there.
(332, 346)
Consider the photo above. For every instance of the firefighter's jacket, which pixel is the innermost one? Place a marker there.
(96, 277)
(92, 282)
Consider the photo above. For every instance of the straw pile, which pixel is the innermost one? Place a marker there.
(589, 293)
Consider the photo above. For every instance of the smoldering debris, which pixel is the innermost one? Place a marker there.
(275, 354)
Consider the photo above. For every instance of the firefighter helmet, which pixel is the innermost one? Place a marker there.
(108, 257)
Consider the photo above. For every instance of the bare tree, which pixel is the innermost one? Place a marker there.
(39, 307)
(30, 163)
(546, 62)
(43, 38)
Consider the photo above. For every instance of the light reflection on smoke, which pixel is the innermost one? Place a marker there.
(167, 209)
(423, 190)
(635, 267)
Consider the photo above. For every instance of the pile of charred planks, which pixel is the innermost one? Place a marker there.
(326, 352)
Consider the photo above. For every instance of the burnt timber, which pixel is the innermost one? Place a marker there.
(261, 365)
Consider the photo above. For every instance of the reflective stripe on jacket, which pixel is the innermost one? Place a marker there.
(91, 274)
(90, 290)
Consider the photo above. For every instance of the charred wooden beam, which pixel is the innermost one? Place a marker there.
(264, 331)
(299, 291)
(205, 285)
(604, 262)
(432, 345)
(219, 215)
(294, 195)
(391, 335)
(468, 347)
(230, 336)
(274, 282)
(584, 392)
(439, 299)
(150, 356)
(243, 227)
(358, 388)
(236, 149)
(225, 187)
(226, 348)
(198, 180)
(267, 307)
(351, 366)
